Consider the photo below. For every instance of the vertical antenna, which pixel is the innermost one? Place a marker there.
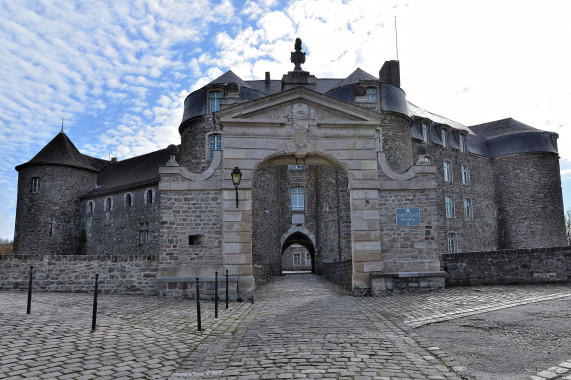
(396, 38)
(62, 124)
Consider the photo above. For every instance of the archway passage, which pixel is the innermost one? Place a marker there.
(298, 253)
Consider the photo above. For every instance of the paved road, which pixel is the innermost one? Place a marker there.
(300, 326)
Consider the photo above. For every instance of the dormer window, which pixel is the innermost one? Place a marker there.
(462, 143)
(445, 137)
(372, 94)
(215, 100)
(35, 184)
(426, 133)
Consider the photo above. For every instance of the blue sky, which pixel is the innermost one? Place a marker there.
(118, 71)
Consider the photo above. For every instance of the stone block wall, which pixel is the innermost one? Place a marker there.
(288, 259)
(340, 273)
(186, 288)
(126, 274)
(112, 232)
(515, 266)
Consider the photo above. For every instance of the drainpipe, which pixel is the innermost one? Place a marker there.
(338, 216)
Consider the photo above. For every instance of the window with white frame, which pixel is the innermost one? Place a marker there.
(215, 100)
(149, 196)
(444, 134)
(307, 259)
(108, 205)
(372, 94)
(465, 174)
(426, 133)
(144, 233)
(452, 243)
(128, 201)
(449, 206)
(447, 171)
(297, 199)
(35, 183)
(467, 209)
(90, 207)
(297, 259)
(462, 143)
(214, 143)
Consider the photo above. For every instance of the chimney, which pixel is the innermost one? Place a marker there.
(267, 81)
(390, 73)
(114, 159)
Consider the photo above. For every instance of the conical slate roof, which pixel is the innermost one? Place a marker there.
(59, 151)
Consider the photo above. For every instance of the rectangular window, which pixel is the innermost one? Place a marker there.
(215, 100)
(35, 184)
(371, 94)
(462, 143)
(149, 197)
(108, 204)
(449, 207)
(144, 233)
(295, 167)
(465, 175)
(452, 243)
(468, 209)
(426, 133)
(307, 259)
(297, 259)
(447, 171)
(215, 143)
(444, 135)
(90, 207)
(378, 139)
(128, 200)
(297, 199)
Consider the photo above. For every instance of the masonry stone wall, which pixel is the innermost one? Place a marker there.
(514, 266)
(117, 230)
(191, 227)
(396, 142)
(194, 149)
(288, 263)
(530, 203)
(339, 272)
(121, 274)
(480, 231)
(48, 221)
(333, 231)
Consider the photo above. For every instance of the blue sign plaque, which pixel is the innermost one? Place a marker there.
(408, 216)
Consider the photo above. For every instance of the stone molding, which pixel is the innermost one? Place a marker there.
(187, 174)
(411, 172)
(303, 230)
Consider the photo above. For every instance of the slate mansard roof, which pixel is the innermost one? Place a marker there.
(493, 139)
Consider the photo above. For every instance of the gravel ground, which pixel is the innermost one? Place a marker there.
(513, 343)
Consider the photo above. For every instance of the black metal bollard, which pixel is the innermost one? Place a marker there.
(94, 317)
(30, 291)
(226, 289)
(216, 295)
(198, 305)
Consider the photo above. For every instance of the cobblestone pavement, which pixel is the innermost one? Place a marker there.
(300, 326)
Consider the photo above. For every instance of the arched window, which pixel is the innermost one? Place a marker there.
(214, 143)
(128, 200)
(449, 206)
(108, 204)
(90, 207)
(468, 209)
(452, 243)
(465, 174)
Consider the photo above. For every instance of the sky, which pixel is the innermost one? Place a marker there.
(117, 71)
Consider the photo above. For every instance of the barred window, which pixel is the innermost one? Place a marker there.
(35, 184)
(214, 143)
(297, 199)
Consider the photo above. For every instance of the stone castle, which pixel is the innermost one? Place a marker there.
(338, 176)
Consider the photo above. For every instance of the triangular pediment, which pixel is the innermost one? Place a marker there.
(297, 103)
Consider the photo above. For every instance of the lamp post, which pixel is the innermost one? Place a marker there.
(236, 177)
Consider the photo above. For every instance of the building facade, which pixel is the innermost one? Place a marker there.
(333, 170)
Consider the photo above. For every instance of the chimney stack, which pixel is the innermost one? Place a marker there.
(390, 73)
(267, 81)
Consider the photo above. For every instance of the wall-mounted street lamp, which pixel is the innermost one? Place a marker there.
(236, 177)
